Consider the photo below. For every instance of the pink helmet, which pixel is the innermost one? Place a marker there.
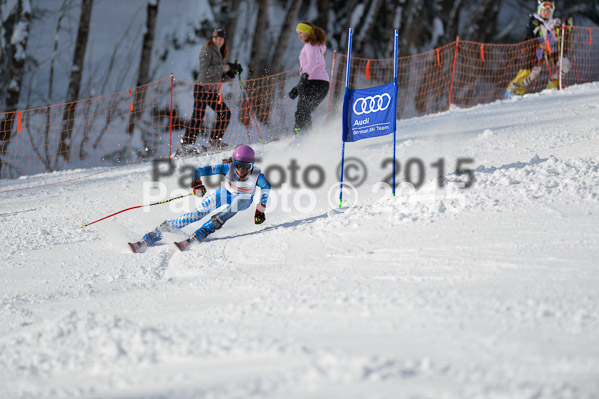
(244, 153)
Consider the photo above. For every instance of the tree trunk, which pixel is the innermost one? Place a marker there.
(351, 5)
(356, 46)
(390, 8)
(484, 20)
(322, 21)
(15, 34)
(286, 29)
(366, 25)
(452, 25)
(342, 63)
(145, 61)
(231, 16)
(410, 37)
(257, 56)
(63, 12)
(68, 115)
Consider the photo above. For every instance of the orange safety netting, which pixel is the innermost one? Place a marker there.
(150, 121)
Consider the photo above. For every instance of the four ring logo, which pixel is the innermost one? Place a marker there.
(372, 104)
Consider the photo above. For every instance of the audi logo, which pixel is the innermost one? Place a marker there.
(372, 104)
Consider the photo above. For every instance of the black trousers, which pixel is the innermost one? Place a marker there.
(310, 96)
(203, 98)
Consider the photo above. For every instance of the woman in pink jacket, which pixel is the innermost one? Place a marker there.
(314, 80)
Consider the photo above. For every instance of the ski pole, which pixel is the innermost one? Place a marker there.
(247, 100)
(550, 72)
(561, 56)
(135, 207)
(576, 68)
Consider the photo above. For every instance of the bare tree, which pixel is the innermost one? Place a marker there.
(230, 9)
(484, 20)
(116, 60)
(452, 22)
(283, 40)
(63, 11)
(257, 56)
(411, 30)
(351, 6)
(390, 10)
(366, 24)
(324, 8)
(68, 116)
(143, 76)
(14, 36)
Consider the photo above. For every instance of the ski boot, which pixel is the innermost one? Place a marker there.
(150, 239)
(208, 228)
(183, 245)
(139, 246)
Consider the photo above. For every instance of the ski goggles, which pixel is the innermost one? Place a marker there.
(245, 166)
(547, 5)
(218, 33)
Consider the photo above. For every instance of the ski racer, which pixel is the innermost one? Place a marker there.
(241, 179)
(547, 30)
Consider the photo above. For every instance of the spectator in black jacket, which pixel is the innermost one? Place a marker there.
(213, 70)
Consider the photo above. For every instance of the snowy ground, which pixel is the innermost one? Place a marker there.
(487, 292)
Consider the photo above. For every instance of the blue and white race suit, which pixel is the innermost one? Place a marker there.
(237, 194)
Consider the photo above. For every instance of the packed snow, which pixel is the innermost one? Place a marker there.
(481, 292)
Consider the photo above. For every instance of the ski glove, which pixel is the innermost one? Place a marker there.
(294, 93)
(303, 80)
(259, 216)
(198, 188)
(236, 68)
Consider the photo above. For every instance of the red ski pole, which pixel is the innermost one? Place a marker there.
(135, 207)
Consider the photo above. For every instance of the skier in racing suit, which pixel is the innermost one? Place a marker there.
(241, 179)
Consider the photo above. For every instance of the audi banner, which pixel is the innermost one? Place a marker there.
(369, 112)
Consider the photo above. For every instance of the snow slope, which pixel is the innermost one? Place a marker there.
(486, 292)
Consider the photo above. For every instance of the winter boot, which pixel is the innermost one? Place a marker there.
(520, 82)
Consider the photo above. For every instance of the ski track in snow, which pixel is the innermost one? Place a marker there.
(486, 292)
